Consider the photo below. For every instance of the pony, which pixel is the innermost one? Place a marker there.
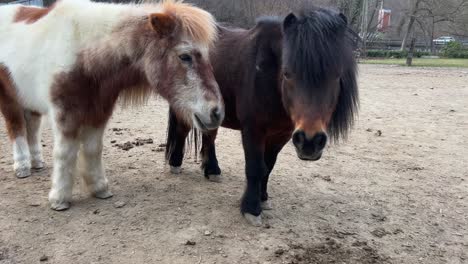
(284, 78)
(74, 60)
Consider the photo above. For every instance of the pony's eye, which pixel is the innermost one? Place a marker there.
(185, 58)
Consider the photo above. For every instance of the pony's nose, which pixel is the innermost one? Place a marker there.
(216, 115)
(299, 138)
(319, 141)
(309, 148)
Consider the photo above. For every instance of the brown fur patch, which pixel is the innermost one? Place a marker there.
(84, 99)
(9, 105)
(204, 69)
(311, 124)
(30, 15)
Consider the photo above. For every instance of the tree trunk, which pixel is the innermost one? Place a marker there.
(433, 52)
(407, 33)
(409, 29)
(409, 58)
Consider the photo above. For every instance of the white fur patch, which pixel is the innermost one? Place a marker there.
(21, 158)
(65, 156)
(90, 164)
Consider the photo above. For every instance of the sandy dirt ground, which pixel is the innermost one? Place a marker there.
(395, 192)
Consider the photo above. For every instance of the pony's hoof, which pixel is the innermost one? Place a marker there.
(253, 220)
(60, 206)
(215, 178)
(176, 170)
(37, 165)
(103, 194)
(266, 205)
(22, 173)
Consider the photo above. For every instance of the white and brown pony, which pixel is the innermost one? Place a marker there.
(72, 61)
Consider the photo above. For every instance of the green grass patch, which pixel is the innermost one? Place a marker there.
(461, 63)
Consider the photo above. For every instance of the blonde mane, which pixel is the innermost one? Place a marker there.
(196, 23)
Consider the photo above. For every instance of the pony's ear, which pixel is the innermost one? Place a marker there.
(163, 24)
(344, 18)
(289, 21)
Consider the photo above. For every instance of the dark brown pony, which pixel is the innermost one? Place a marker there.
(283, 78)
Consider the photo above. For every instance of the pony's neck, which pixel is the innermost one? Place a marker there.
(115, 73)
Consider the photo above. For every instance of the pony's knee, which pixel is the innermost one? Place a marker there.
(92, 148)
(65, 152)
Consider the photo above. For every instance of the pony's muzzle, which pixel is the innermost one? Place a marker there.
(309, 148)
(216, 115)
(209, 121)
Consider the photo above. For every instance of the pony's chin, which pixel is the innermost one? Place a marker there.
(200, 125)
(313, 157)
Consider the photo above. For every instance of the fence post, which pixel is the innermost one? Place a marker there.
(409, 58)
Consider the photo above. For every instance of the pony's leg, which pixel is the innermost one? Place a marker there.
(210, 162)
(90, 165)
(273, 148)
(66, 146)
(33, 126)
(175, 144)
(13, 114)
(255, 169)
(21, 155)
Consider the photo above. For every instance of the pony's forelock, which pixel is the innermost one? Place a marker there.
(197, 24)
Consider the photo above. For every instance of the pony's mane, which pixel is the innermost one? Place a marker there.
(316, 46)
(196, 23)
(321, 47)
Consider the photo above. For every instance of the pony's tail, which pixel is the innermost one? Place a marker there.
(192, 141)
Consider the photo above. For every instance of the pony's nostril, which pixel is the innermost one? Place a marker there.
(215, 115)
(298, 138)
(320, 140)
